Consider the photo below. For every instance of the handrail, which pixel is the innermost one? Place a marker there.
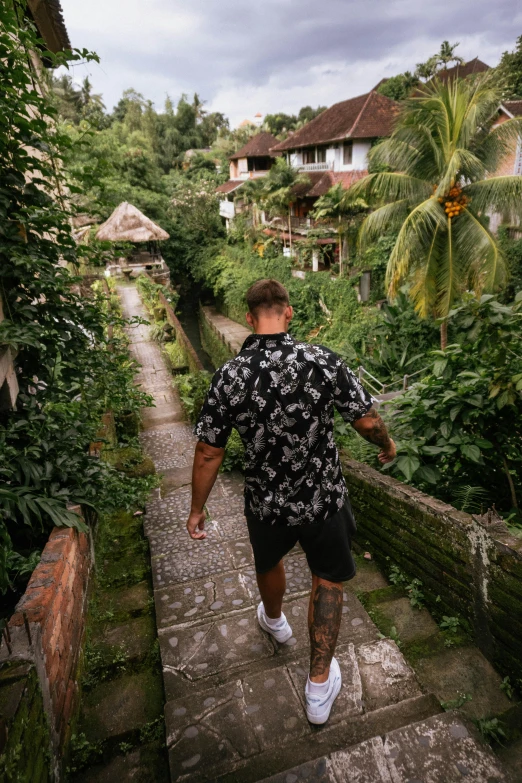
(362, 371)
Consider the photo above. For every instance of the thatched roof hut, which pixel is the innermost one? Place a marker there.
(128, 224)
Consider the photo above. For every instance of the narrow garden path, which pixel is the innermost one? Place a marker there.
(234, 698)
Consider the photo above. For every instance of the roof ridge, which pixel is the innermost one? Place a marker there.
(359, 115)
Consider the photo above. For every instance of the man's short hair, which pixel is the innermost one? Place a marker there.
(267, 295)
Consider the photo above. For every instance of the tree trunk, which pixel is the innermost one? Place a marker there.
(340, 234)
(510, 482)
(443, 335)
(290, 230)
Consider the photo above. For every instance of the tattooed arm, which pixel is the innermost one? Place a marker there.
(372, 428)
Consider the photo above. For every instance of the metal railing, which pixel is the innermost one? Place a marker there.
(314, 166)
(303, 222)
(379, 388)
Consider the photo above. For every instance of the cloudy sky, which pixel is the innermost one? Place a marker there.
(248, 56)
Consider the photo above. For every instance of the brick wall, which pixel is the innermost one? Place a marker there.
(53, 606)
(465, 568)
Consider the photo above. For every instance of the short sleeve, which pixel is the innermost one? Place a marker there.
(213, 426)
(350, 397)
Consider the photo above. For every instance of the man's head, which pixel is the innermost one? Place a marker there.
(269, 308)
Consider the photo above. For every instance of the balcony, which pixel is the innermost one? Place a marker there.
(252, 174)
(315, 166)
(303, 222)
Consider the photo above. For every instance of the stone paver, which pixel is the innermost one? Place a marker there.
(235, 703)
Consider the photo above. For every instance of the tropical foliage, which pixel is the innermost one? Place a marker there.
(461, 424)
(71, 360)
(437, 194)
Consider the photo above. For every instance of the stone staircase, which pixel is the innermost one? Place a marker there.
(234, 708)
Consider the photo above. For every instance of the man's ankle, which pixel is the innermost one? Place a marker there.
(319, 679)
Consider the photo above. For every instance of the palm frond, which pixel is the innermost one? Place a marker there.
(496, 194)
(424, 290)
(483, 263)
(385, 218)
(414, 240)
(392, 186)
(463, 165)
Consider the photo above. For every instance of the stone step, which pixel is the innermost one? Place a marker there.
(251, 718)
(441, 749)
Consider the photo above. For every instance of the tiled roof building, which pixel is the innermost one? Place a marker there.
(366, 116)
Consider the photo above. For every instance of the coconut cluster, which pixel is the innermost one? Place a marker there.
(455, 202)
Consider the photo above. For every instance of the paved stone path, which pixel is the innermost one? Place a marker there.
(234, 698)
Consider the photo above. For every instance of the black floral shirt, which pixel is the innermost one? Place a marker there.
(279, 395)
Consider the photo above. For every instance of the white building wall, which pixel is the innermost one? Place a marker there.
(359, 157)
(334, 157)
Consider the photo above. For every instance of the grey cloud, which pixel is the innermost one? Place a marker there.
(249, 43)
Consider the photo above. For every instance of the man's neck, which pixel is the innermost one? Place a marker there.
(271, 327)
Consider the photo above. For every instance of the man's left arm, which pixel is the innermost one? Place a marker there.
(355, 405)
(372, 428)
(207, 461)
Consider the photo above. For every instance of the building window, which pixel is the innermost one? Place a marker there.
(309, 155)
(321, 155)
(347, 153)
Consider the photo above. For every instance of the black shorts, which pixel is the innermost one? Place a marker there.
(326, 544)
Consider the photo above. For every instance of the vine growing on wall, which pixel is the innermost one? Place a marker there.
(69, 369)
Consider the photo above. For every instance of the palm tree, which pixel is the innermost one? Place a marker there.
(447, 54)
(438, 191)
(278, 192)
(332, 207)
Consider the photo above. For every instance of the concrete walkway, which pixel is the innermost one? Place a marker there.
(234, 698)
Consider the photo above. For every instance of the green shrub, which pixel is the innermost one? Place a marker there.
(176, 354)
(459, 426)
(192, 389)
(234, 454)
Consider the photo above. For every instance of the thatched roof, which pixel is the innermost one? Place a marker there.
(128, 224)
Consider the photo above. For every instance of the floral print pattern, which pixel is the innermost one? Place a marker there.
(280, 395)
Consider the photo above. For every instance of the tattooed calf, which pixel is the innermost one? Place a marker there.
(325, 619)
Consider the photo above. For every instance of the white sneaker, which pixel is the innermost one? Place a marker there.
(281, 633)
(318, 708)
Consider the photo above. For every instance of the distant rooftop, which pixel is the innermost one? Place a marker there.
(364, 117)
(463, 71)
(258, 146)
(513, 107)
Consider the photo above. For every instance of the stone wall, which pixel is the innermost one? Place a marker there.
(220, 335)
(48, 625)
(465, 568)
(193, 361)
(212, 342)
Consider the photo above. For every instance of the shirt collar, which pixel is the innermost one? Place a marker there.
(257, 342)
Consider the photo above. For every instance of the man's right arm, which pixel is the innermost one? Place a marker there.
(372, 428)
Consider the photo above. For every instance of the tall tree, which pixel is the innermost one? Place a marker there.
(333, 207)
(439, 192)
(447, 54)
(278, 192)
(510, 71)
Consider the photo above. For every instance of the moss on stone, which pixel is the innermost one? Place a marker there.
(130, 460)
(122, 681)
(25, 756)
(217, 350)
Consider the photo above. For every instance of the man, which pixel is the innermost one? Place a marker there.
(280, 395)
